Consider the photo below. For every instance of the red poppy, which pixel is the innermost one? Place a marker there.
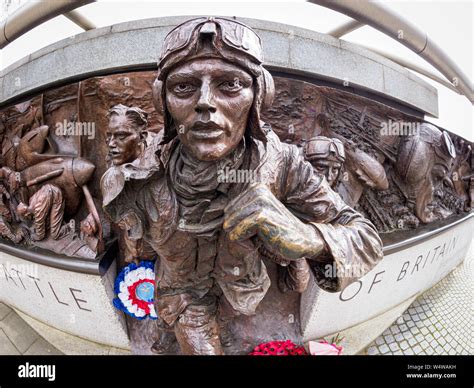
(278, 348)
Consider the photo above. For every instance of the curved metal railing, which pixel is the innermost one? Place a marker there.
(363, 13)
(378, 16)
(34, 13)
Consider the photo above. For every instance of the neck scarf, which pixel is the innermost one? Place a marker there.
(201, 197)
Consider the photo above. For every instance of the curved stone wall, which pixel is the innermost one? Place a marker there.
(135, 45)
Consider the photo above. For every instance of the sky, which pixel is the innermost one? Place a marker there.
(448, 23)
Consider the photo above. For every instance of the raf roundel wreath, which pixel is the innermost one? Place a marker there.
(135, 289)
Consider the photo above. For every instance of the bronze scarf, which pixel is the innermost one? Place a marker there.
(201, 197)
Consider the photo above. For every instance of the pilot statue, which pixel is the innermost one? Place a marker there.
(210, 234)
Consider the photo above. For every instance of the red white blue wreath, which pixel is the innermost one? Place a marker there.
(135, 289)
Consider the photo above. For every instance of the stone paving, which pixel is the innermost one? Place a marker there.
(17, 337)
(439, 322)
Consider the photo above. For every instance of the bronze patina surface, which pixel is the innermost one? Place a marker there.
(244, 187)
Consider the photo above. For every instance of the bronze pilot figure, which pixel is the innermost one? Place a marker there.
(209, 233)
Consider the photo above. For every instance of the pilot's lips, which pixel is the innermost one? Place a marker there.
(206, 130)
(115, 154)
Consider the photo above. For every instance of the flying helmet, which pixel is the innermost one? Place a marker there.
(215, 37)
(322, 147)
(414, 152)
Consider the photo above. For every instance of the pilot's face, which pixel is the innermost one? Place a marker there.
(123, 140)
(330, 169)
(209, 101)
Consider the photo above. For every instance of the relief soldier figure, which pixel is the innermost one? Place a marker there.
(46, 208)
(125, 138)
(210, 235)
(7, 227)
(424, 166)
(126, 133)
(327, 157)
(88, 232)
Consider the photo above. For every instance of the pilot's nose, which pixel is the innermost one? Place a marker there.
(206, 100)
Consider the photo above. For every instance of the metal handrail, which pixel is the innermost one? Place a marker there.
(363, 13)
(352, 25)
(390, 23)
(79, 19)
(412, 66)
(345, 28)
(32, 14)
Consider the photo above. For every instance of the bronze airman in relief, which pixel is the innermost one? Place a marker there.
(327, 157)
(126, 133)
(46, 208)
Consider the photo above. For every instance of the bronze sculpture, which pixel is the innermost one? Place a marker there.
(126, 133)
(327, 157)
(208, 234)
(170, 193)
(7, 228)
(125, 138)
(45, 206)
(45, 185)
(424, 164)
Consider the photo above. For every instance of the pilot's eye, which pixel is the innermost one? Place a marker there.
(233, 85)
(183, 88)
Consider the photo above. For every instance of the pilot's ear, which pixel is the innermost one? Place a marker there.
(156, 92)
(143, 136)
(268, 90)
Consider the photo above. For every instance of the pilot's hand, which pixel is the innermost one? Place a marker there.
(258, 213)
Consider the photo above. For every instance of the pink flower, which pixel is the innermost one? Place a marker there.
(324, 348)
